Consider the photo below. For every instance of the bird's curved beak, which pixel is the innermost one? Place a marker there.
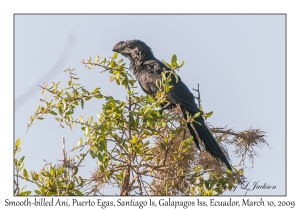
(122, 48)
(118, 47)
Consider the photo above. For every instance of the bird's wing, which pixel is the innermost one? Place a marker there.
(178, 94)
(147, 76)
(182, 95)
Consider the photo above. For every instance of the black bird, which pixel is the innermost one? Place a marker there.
(147, 69)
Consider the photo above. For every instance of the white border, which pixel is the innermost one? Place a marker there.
(8, 8)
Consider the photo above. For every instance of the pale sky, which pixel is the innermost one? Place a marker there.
(238, 61)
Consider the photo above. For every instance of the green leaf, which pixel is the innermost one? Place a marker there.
(78, 192)
(52, 171)
(111, 78)
(163, 76)
(207, 115)
(52, 112)
(100, 157)
(90, 66)
(75, 170)
(159, 94)
(97, 59)
(165, 140)
(71, 185)
(68, 94)
(60, 170)
(207, 185)
(90, 120)
(82, 103)
(228, 171)
(102, 146)
(158, 83)
(89, 59)
(70, 193)
(147, 110)
(104, 60)
(213, 182)
(149, 99)
(80, 142)
(176, 77)
(96, 90)
(125, 83)
(186, 148)
(120, 61)
(197, 114)
(209, 193)
(87, 130)
(18, 142)
(174, 61)
(85, 91)
(162, 146)
(166, 88)
(58, 119)
(21, 160)
(88, 98)
(25, 193)
(37, 192)
(25, 174)
(148, 158)
(70, 112)
(219, 139)
(60, 109)
(133, 140)
(137, 149)
(166, 64)
(131, 121)
(81, 120)
(218, 190)
(92, 153)
(115, 55)
(118, 75)
(189, 140)
(37, 110)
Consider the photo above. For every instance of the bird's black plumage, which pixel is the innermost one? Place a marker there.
(147, 69)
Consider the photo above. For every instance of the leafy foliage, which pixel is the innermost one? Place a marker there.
(135, 147)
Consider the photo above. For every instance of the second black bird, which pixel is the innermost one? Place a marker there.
(147, 69)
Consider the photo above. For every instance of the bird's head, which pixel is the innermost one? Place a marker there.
(135, 50)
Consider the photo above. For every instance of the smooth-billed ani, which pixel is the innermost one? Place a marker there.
(147, 69)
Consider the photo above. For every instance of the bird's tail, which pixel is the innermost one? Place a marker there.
(211, 145)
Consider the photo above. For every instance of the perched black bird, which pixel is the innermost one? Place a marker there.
(147, 69)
